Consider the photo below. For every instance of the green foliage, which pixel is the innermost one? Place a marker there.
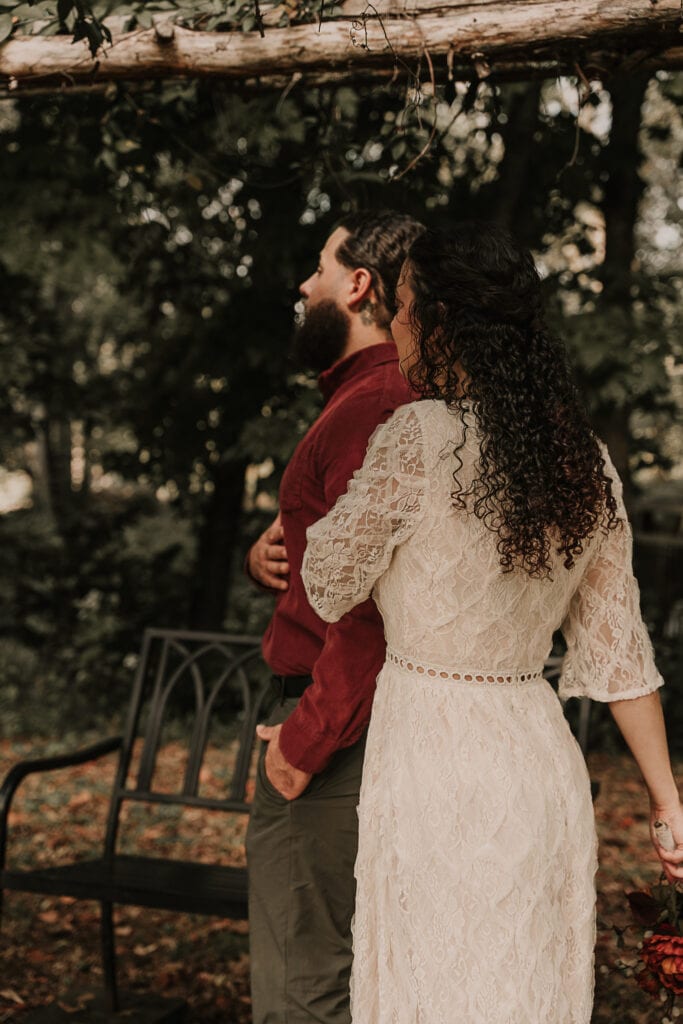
(74, 16)
(72, 618)
(87, 20)
(147, 279)
(621, 355)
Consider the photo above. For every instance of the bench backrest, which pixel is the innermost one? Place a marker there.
(204, 680)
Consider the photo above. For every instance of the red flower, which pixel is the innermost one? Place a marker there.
(662, 954)
(649, 982)
(644, 907)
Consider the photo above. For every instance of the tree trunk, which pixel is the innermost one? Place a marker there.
(478, 36)
(37, 464)
(216, 547)
(623, 190)
(57, 436)
(512, 187)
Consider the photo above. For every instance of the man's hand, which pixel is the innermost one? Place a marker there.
(289, 781)
(267, 559)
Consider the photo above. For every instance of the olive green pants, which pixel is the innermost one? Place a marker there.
(301, 855)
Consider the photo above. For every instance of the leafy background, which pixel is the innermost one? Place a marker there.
(153, 237)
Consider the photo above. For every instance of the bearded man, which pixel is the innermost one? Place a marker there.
(303, 830)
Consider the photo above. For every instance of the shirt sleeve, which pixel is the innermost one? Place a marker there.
(352, 546)
(335, 710)
(609, 651)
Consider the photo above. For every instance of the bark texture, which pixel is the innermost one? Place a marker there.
(623, 191)
(475, 38)
(214, 569)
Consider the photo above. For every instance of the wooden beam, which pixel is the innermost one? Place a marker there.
(476, 38)
(599, 65)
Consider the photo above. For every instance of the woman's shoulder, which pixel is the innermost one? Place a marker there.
(428, 424)
(442, 422)
(415, 419)
(422, 410)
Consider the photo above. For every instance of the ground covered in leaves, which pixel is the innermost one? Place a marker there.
(49, 947)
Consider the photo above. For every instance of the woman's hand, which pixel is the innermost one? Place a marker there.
(672, 860)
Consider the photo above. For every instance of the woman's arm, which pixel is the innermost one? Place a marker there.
(641, 723)
(610, 658)
(352, 546)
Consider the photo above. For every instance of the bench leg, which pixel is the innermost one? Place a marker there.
(584, 723)
(109, 956)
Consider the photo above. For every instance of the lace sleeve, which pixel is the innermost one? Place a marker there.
(350, 548)
(609, 652)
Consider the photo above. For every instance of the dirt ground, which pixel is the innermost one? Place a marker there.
(49, 947)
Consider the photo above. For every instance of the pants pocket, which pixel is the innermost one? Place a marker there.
(265, 790)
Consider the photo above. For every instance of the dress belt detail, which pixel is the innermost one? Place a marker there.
(464, 676)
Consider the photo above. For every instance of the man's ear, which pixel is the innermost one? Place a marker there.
(360, 287)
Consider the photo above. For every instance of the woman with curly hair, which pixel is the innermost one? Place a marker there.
(485, 517)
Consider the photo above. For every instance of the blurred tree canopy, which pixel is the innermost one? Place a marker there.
(153, 239)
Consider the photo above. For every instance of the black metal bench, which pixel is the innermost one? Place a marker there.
(214, 675)
(225, 678)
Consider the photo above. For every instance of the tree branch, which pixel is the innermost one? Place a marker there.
(521, 39)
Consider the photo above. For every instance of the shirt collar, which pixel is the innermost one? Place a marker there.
(355, 365)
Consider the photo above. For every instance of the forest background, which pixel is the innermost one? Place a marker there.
(152, 239)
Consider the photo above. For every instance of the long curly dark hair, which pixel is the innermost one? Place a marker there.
(482, 344)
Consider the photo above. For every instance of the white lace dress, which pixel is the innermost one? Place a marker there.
(477, 847)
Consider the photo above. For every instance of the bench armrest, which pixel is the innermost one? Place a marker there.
(19, 771)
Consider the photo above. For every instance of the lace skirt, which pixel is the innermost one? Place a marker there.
(477, 854)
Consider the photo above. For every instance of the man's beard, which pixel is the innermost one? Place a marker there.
(321, 339)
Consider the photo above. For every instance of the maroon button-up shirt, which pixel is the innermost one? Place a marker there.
(344, 658)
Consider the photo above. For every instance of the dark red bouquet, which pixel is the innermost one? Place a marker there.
(658, 917)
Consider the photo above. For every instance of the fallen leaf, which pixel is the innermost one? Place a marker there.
(140, 950)
(49, 917)
(37, 956)
(80, 799)
(14, 997)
